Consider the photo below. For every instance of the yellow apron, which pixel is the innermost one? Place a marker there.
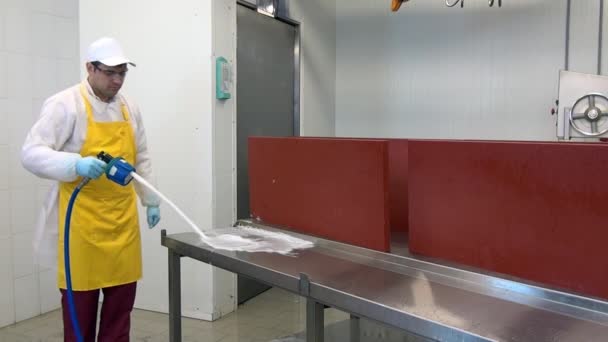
(105, 245)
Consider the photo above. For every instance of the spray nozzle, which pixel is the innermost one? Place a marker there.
(118, 169)
(106, 157)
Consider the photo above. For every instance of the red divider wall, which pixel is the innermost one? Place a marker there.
(398, 184)
(331, 188)
(538, 211)
(397, 173)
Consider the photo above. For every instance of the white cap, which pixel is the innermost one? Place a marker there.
(107, 51)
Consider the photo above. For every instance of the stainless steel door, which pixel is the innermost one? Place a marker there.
(265, 98)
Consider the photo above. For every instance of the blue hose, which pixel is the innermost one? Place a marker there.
(66, 258)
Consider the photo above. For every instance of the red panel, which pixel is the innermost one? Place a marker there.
(397, 166)
(532, 210)
(397, 190)
(331, 188)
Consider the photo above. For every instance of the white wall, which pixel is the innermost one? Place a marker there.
(191, 134)
(317, 96)
(429, 71)
(172, 45)
(38, 57)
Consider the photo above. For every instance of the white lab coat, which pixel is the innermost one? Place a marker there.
(52, 148)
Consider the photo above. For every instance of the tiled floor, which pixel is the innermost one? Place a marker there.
(272, 315)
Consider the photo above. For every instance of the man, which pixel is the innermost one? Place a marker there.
(105, 248)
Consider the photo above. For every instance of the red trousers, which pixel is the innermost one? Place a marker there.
(115, 319)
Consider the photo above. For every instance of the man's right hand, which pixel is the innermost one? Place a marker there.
(90, 167)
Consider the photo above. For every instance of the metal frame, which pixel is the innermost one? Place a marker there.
(175, 298)
(567, 42)
(314, 309)
(284, 17)
(600, 38)
(545, 309)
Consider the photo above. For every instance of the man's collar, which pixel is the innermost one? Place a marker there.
(92, 94)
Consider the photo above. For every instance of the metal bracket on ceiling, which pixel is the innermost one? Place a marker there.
(268, 7)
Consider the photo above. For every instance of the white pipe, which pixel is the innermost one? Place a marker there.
(143, 182)
(246, 239)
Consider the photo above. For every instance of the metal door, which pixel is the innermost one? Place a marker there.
(266, 101)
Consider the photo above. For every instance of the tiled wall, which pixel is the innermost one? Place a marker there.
(39, 55)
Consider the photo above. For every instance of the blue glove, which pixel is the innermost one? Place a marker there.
(90, 167)
(153, 216)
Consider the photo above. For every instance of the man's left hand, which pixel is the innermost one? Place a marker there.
(153, 216)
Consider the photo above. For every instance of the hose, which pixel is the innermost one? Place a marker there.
(66, 258)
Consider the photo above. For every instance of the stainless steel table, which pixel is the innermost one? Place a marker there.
(435, 301)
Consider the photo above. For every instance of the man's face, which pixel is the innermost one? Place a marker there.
(105, 80)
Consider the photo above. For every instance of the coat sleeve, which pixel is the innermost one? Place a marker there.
(143, 163)
(42, 153)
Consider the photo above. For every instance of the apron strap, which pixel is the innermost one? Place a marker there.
(123, 109)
